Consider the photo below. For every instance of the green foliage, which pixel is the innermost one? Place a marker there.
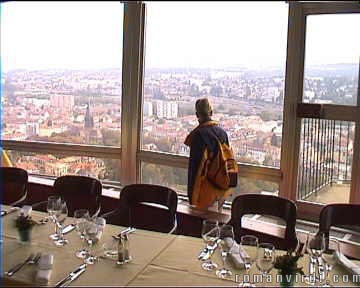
(24, 222)
(287, 264)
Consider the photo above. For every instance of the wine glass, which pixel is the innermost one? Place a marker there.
(60, 216)
(52, 205)
(329, 257)
(81, 216)
(92, 230)
(210, 233)
(247, 250)
(315, 245)
(227, 242)
(265, 258)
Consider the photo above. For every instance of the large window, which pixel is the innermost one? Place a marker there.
(108, 90)
(61, 74)
(330, 77)
(232, 53)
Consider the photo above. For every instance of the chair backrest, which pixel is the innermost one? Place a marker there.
(79, 192)
(134, 199)
(338, 214)
(14, 185)
(264, 205)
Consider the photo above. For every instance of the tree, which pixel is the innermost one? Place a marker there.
(216, 91)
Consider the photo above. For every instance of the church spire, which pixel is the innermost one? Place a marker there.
(89, 121)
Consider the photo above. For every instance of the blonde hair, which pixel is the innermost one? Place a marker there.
(203, 108)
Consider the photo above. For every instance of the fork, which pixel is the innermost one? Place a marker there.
(36, 259)
(19, 266)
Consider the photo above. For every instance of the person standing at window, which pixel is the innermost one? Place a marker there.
(204, 143)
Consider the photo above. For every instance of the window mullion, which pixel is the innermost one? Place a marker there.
(293, 96)
(131, 89)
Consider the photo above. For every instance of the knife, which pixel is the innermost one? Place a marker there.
(210, 250)
(125, 231)
(11, 210)
(71, 275)
(68, 228)
(74, 277)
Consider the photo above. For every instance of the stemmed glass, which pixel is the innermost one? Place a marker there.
(315, 245)
(329, 257)
(227, 242)
(265, 259)
(81, 216)
(210, 233)
(51, 207)
(92, 230)
(60, 216)
(247, 250)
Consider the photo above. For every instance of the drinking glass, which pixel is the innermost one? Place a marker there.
(329, 257)
(210, 233)
(92, 230)
(81, 216)
(265, 258)
(315, 245)
(247, 250)
(60, 216)
(52, 205)
(227, 242)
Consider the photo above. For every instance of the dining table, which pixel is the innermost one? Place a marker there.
(158, 259)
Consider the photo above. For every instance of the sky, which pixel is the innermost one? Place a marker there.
(81, 35)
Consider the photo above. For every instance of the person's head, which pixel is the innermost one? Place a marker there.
(203, 109)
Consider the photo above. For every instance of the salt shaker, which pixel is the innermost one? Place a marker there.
(123, 250)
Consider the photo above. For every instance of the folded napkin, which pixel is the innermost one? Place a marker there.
(101, 222)
(45, 265)
(25, 210)
(236, 253)
(350, 266)
(43, 276)
(46, 261)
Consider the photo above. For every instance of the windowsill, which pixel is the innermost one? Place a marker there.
(107, 192)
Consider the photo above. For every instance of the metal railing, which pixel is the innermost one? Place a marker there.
(325, 155)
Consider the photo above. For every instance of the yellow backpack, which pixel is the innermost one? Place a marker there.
(222, 169)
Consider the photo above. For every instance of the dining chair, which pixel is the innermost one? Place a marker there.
(265, 205)
(146, 206)
(79, 192)
(14, 185)
(338, 214)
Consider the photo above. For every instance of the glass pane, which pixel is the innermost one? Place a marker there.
(56, 165)
(176, 178)
(332, 59)
(173, 177)
(248, 185)
(236, 61)
(326, 155)
(61, 71)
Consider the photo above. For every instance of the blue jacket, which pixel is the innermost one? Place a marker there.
(206, 135)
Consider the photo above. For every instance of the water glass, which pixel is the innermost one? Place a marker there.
(81, 216)
(60, 216)
(93, 232)
(329, 257)
(247, 250)
(210, 233)
(265, 259)
(227, 242)
(315, 245)
(52, 205)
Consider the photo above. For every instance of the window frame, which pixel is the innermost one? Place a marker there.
(298, 12)
(131, 154)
